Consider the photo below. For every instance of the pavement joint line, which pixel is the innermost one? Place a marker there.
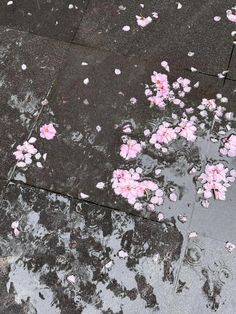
(73, 198)
(230, 58)
(81, 20)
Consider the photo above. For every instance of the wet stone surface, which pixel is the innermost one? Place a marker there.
(28, 66)
(55, 19)
(206, 282)
(170, 37)
(60, 237)
(90, 123)
(117, 206)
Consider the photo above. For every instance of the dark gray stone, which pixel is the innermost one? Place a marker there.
(206, 281)
(216, 221)
(61, 237)
(80, 156)
(170, 37)
(22, 90)
(52, 18)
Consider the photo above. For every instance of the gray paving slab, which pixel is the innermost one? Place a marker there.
(60, 237)
(206, 282)
(55, 19)
(81, 155)
(171, 37)
(217, 221)
(28, 67)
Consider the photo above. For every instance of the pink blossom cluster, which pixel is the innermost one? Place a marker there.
(164, 134)
(160, 93)
(215, 182)
(24, 154)
(187, 129)
(130, 149)
(128, 184)
(229, 148)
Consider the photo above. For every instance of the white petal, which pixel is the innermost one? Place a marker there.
(123, 254)
(71, 278)
(32, 140)
(100, 185)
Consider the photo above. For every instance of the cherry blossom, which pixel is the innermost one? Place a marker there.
(231, 15)
(215, 182)
(229, 148)
(143, 21)
(130, 149)
(187, 129)
(164, 134)
(24, 154)
(48, 131)
(128, 184)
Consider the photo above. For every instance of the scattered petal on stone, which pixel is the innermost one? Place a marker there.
(84, 63)
(32, 140)
(192, 234)
(15, 224)
(143, 21)
(44, 156)
(98, 128)
(160, 216)
(100, 185)
(86, 81)
(196, 85)
(71, 279)
(190, 54)
(193, 69)
(117, 71)
(173, 197)
(157, 172)
(109, 264)
(23, 67)
(155, 15)
(217, 18)
(123, 254)
(82, 195)
(39, 165)
(126, 28)
(16, 232)
(179, 5)
(205, 203)
(156, 257)
(70, 6)
(44, 102)
(9, 2)
(165, 65)
(133, 100)
(229, 246)
(38, 156)
(182, 218)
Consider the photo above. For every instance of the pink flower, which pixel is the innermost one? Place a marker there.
(24, 154)
(231, 15)
(158, 198)
(143, 21)
(163, 135)
(186, 129)
(157, 100)
(130, 150)
(173, 197)
(229, 148)
(48, 131)
(161, 84)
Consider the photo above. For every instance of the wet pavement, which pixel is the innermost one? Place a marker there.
(82, 226)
